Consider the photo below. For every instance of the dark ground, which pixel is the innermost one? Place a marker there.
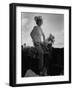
(53, 61)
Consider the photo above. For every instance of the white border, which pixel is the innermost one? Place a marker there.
(19, 79)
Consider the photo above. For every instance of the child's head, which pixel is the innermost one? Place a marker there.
(38, 20)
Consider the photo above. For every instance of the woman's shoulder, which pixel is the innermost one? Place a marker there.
(34, 30)
(35, 27)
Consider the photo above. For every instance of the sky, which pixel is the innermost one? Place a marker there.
(52, 23)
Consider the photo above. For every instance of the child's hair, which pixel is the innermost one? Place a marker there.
(38, 18)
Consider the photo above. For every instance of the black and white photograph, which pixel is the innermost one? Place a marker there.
(40, 44)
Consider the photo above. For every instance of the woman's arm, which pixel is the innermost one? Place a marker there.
(43, 35)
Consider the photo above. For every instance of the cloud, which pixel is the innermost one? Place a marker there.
(24, 23)
(59, 39)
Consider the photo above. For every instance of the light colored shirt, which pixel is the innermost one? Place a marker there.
(36, 34)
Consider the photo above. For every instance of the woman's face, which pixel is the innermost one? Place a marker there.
(39, 22)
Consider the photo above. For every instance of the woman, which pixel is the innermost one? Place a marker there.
(37, 35)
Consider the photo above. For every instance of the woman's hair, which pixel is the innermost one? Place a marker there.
(38, 18)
